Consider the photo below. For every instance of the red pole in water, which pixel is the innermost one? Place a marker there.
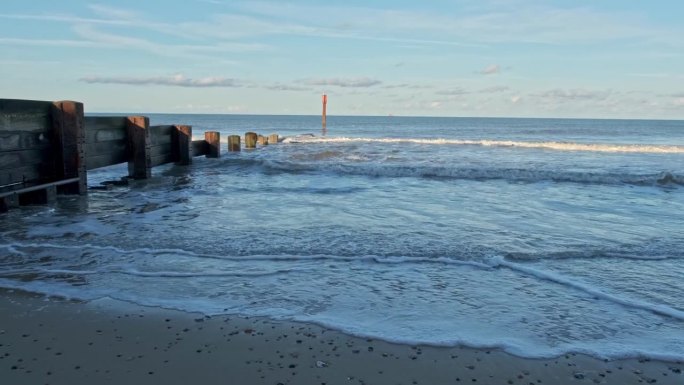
(325, 104)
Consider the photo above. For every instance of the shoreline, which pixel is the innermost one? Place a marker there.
(57, 341)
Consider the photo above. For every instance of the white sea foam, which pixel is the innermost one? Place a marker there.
(19, 248)
(151, 274)
(594, 291)
(375, 169)
(558, 146)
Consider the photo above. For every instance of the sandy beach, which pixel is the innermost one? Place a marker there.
(54, 341)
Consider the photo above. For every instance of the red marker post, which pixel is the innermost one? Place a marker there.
(325, 105)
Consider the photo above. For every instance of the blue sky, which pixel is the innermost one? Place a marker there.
(603, 59)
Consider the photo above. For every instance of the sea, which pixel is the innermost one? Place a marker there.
(540, 237)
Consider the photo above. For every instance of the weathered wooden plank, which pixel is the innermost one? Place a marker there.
(94, 149)
(104, 122)
(26, 173)
(17, 159)
(161, 150)
(139, 159)
(25, 115)
(23, 140)
(106, 159)
(26, 106)
(105, 128)
(164, 129)
(161, 135)
(162, 159)
(198, 147)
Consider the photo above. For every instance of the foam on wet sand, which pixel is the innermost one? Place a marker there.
(64, 342)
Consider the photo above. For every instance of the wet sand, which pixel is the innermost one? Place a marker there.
(53, 341)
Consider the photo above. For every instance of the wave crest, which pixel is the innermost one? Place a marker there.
(557, 146)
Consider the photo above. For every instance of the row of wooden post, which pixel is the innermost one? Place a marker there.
(140, 162)
(67, 151)
(213, 140)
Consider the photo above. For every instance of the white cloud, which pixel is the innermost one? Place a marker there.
(679, 102)
(406, 86)
(516, 99)
(495, 89)
(178, 80)
(63, 18)
(458, 91)
(47, 42)
(576, 94)
(210, 108)
(492, 69)
(114, 13)
(285, 87)
(411, 104)
(342, 82)
(478, 23)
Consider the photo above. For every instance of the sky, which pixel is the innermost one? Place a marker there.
(561, 58)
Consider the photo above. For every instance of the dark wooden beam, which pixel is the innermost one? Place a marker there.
(69, 145)
(139, 156)
(183, 138)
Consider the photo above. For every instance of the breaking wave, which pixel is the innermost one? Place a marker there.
(557, 146)
(662, 179)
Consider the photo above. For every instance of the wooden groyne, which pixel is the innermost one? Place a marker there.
(47, 148)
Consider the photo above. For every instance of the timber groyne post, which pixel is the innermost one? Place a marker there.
(182, 144)
(251, 140)
(213, 139)
(139, 147)
(70, 142)
(233, 143)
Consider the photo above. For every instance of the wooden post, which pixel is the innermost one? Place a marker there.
(183, 140)
(213, 140)
(262, 140)
(70, 145)
(139, 144)
(234, 143)
(273, 139)
(250, 140)
(325, 107)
